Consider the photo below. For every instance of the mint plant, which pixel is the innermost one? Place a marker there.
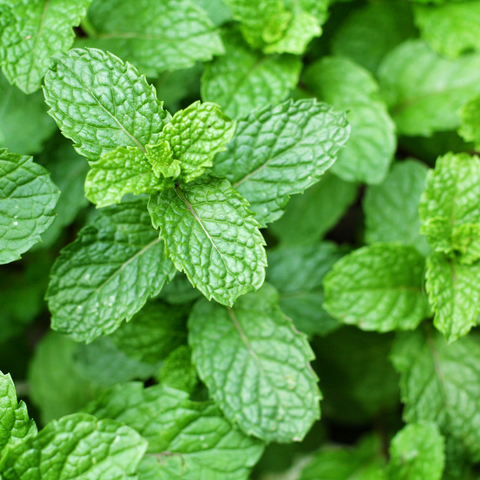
(239, 240)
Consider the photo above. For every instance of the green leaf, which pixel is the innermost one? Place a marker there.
(255, 365)
(121, 171)
(450, 29)
(196, 135)
(24, 123)
(280, 151)
(179, 291)
(191, 439)
(424, 91)
(82, 447)
(211, 235)
(27, 200)
(301, 289)
(161, 160)
(108, 273)
(217, 10)
(310, 216)
(470, 121)
(451, 220)
(416, 452)
(153, 36)
(347, 86)
(398, 197)
(102, 103)
(33, 31)
(242, 79)
(371, 31)
(15, 424)
(178, 371)
(378, 288)
(440, 383)
(152, 333)
(454, 294)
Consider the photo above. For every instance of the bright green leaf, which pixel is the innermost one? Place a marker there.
(161, 160)
(108, 273)
(470, 121)
(211, 235)
(378, 288)
(27, 200)
(256, 366)
(280, 151)
(178, 371)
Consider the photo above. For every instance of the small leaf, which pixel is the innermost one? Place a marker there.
(161, 159)
(256, 366)
(178, 371)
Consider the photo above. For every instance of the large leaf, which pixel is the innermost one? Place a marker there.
(154, 36)
(101, 103)
(108, 273)
(27, 200)
(280, 151)
(378, 288)
(33, 30)
(211, 235)
(256, 366)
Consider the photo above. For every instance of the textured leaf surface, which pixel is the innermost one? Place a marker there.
(33, 30)
(154, 36)
(15, 424)
(255, 366)
(281, 150)
(243, 79)
(454, 293)
(211, 235)
(398, 197)
(178, 371)
(347, 86)
(416, 452)
(424, 91)
(101, 103)
(297, 273)
(27, 200)
(440, 383)
(77, 446)
(190, 439)
(470, 121)
(450, 29)
(449, 210)
(108, 273)
(378, 288)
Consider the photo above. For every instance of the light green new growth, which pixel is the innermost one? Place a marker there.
(449, 207)
(378, 288)
(178, 371)
(161, 160)
(267, 387)
(76, 446)
(280, 151)
(15, 424)
(108, 273)
(27, 200)
(211, 235)
(470, 121)
(31, 31)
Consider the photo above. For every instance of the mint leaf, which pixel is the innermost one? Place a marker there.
(378, 288)
(190, 439)
(108, 273)
(242, 79)
(82, 447)
(152, 333)
(255, 344)
(211, 235)
(450, 29)
(470, 121)
(280, 151)
(179, 291)
(424, 91)
(347, 86)
(101, 103)
(450, 219)
(440, 383)
(397, 197)
(15, 424)
(454, 293)
(178, 371)
(416, 452)
(32, 32)
(154, 36)
(27, 200)
(217, 11)
(301, 289)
